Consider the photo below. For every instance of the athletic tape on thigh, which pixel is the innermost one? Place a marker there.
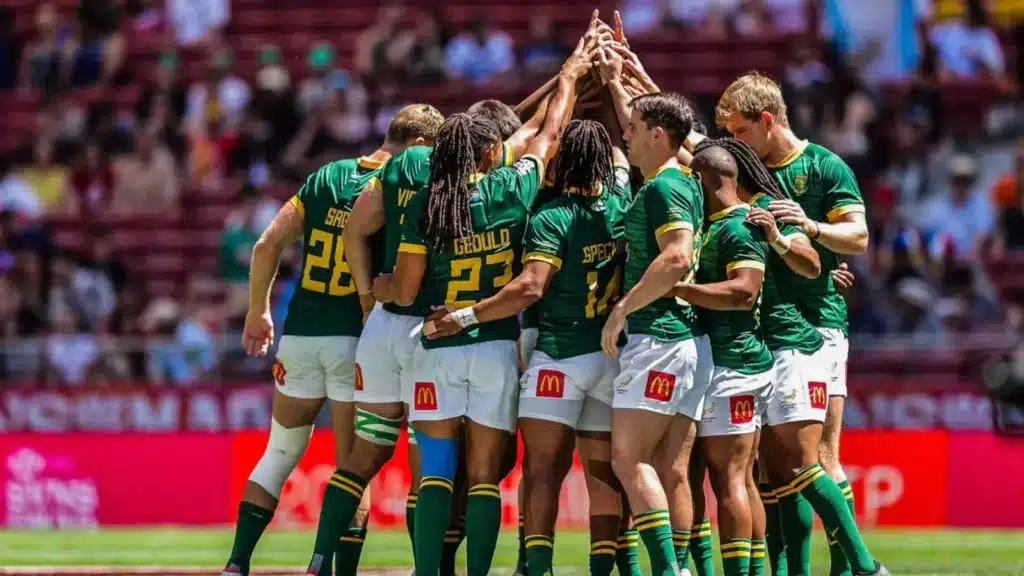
(439, 456)
(377, 429)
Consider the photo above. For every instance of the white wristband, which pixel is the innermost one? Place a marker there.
(782, 245)
(466, 317)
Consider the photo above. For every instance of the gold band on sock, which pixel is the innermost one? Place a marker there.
(437, 481)
(491, 490)
(538, 540)
(603, 547)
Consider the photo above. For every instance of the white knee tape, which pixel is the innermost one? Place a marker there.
(284, 449)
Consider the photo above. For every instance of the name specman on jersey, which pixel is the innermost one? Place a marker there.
(605, 251)
(483, 241)
(336, 218)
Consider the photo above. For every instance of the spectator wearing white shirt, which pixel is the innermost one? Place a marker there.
(196, 21)
(479, 54)
(969, 48)
(222, 94)
(70, 352)
(15, 194)
(964, 219)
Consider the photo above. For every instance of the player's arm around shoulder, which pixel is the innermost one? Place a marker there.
(789, 242)
(366, 219)
(743, 251)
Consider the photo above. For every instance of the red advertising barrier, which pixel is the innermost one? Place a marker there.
(900, 479)
(88, 480)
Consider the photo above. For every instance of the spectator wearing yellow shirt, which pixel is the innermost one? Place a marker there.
(46, 177)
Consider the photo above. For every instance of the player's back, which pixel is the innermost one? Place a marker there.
(585, 238)
(325, 302)
(474, 267)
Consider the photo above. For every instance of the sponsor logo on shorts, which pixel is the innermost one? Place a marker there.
(660, 386)
(279, 372)
(741, 409)
(819, 395)
(425, 396)
(709, 412)
(359, 378)
(550, 384)
(788, 398)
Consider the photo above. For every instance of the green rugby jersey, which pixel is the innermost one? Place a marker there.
(730, 242)
(531, 316)
(826, 189)
(584, 238)
(325, 303)
(671, 200)
(400, 179)
(782, 325)
(476, 267)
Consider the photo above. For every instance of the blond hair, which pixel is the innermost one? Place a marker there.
(415, 121)
(751, 95)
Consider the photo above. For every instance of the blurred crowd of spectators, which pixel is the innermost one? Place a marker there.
(940, 204)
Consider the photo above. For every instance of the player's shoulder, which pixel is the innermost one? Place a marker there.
(669, 182)
(559, 212)
(409, 164)
(329, 178)
(738, 227)
(826, 161)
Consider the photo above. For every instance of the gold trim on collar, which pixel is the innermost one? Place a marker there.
(792, 155)
(723, 213)
(477, 177)
(663, 169)
(753, 199)
(370, 163)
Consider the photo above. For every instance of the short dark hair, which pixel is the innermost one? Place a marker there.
(668, 111)
(415, 121)
(500, 114)
(715, 158)
(746, 167)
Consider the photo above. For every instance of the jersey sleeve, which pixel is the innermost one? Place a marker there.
(520, 181)
(744, 246)
(842, 195)
(622, 187)
(306, 192)
(671, 205)
(547, 237)
(412, 242)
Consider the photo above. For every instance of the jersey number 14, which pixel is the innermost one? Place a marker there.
(327, 243)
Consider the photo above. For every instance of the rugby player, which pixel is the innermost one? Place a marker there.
(826, 204)
(729, 277)
(392, 331)
(572, 270)
(474, 225)
(666, 362)
(316, 354)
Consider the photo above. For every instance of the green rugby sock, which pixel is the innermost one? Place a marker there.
(627, 553)
(521, 558)
(252, 521)
(656, 531)
(602, 558)
(346, 559)
(681, 543)
(838, 564)
(775, 541)
(540, 551)
(410, 519)
(758, 549)
(736, 557)
(452, 540)
(341, 500)
(702, 548)
(434, 509)
(829, 503)
(483, 523)
(797, 518)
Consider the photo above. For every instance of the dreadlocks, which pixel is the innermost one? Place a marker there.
(585, 159)
(460, 146)
(752, 174)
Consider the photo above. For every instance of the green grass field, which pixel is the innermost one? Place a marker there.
(906, 552)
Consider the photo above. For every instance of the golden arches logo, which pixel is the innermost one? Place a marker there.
(425, 396)
(550, 384)
(660, 386)
(278, 371)
(741, 409)
(819, 395)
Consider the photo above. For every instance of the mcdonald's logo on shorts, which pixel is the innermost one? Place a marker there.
(359, 378)
(660, 386)
(741, 409)
(550, 384)
(819, 395)
(279, 372)
(426, 396)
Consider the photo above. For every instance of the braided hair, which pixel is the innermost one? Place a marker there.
(752, 174)
(585, 159)
(460, 146)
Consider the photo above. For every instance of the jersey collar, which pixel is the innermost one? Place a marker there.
(370, 163)
(723, 213)
(753, 199)
(792, 156)
(476, 177)
(684, 169)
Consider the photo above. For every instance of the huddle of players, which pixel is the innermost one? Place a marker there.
(720, 338)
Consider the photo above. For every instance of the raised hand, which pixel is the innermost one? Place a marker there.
(609, 64)
(580, 61)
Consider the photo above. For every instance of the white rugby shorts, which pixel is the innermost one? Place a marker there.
(800, 388)
(664, 377)
(838, 352)
(316, 367)
(574, 391)
(734, 402)
(527, 344)
(385, 355)
(478, 381)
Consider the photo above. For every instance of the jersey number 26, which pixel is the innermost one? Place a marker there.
(328, 243)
